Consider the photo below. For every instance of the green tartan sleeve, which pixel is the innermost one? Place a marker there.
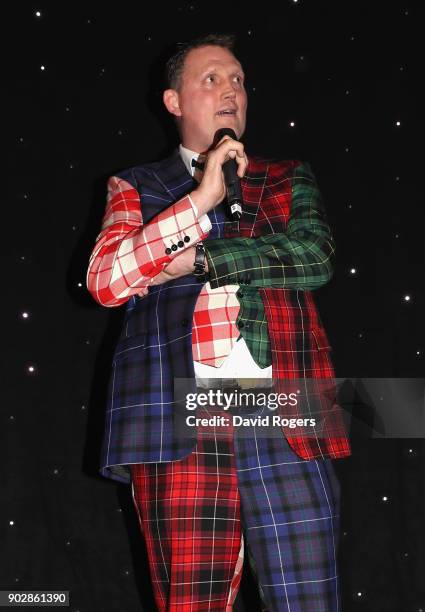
(299, 258)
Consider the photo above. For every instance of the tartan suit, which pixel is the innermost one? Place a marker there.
(281, 250)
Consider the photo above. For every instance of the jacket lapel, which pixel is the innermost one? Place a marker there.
(252, 184)
(172, 175)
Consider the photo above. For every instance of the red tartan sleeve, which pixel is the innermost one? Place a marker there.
(128, 254)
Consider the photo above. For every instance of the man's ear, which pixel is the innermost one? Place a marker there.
(170, 98)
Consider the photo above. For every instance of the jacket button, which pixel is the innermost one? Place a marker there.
(168, 250)
(174, 247)
(186, 238)
(185, 322)
(180, 244)
(240, 324)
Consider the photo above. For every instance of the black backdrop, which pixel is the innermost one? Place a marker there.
(83, 101)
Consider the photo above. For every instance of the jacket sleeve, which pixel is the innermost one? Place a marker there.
(128, 254)
(301, 257)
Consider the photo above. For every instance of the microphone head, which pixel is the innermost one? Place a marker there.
(224, 132)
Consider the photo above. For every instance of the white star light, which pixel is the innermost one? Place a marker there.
(24, 315)
(384, 498)
(11, 522)
(398, 123)
(42, 67)
(407, 298)
(292, 123)
(353, 271)
(37, 13)
(31, 369)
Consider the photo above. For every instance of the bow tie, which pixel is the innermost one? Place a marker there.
(197, 164)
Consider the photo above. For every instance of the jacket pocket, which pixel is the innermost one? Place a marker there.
(321, 339)
(127, 347)
(136, 323)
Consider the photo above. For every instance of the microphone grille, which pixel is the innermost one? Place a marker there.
(224, 132)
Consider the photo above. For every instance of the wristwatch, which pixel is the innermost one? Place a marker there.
(199, 263)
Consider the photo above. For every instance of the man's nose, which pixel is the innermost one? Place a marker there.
(229, 91)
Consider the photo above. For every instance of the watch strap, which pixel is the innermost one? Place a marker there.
(199, 263)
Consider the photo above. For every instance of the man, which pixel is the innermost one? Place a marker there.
(204, 495)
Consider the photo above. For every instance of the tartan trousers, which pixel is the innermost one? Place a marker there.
(240, 490)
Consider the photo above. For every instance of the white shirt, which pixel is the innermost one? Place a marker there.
(239, 363)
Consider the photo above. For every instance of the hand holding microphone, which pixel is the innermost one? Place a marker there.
(225, 165)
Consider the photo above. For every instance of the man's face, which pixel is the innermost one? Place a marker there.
(211, 95)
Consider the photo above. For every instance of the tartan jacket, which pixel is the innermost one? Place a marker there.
(281, 249)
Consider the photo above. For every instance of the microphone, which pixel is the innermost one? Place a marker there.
(231, 178)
